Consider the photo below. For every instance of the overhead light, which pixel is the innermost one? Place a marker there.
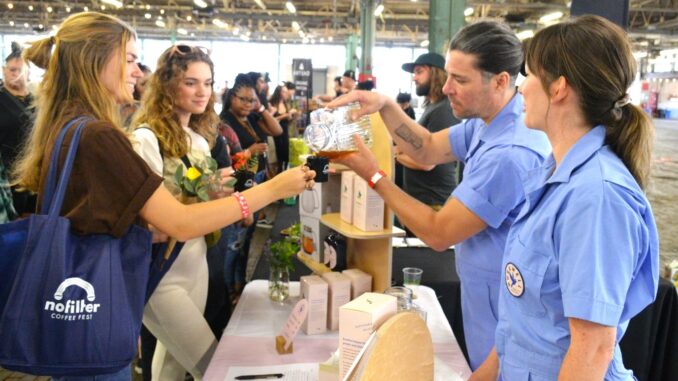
(525, 34)
(200, 3)
(189, 18)
(148, 7)
(639, 55)
(305, 40)
(284, 40)
(322, 40)
(290, 7)
(192, 34)
(85, 8)
(103, 7)
(68, 9)
(424, 44)
(147, 16)
(302, 34)
(295, 25)
(162, 11)
(330, 38)
(378, 10)
(260, 4)
(248, 33)
(115, 3)
(11, 23)
(219, 23)
(55, 27)
(263, 38)
(244, 37)
(236, 31)
(26, 25)
(49, 9)
(41, 26)
(550, 17)
(182, 31)
(160, 23)
(30, 7)
(468, 11)
(10, 6)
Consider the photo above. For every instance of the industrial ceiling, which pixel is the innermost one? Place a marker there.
(653, 23)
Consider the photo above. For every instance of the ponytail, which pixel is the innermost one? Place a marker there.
(39, 52)
(631, 138)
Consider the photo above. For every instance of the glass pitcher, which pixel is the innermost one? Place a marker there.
(330, 133)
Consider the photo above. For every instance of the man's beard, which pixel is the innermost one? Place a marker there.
(422, 90)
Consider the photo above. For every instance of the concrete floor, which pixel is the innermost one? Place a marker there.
(662, 193)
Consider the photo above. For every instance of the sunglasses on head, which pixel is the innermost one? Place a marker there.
(187, 49)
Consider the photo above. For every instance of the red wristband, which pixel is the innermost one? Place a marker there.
(372, 182)
(244, 208)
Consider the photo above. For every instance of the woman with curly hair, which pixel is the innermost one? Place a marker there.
(176, 126)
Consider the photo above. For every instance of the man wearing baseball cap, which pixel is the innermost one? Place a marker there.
(348, 81)
(430, 184)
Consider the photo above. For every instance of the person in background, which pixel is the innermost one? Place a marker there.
(140, 86)
(260, 87)
(90, 69)
(279, 102)
(498, 151)
(338, 91)
(16, 114)
(430, 184)
(7, 212)
(348, 82)
(582, 258)
(404, 101)
(367, 85)
(252, 122)
(127, 111)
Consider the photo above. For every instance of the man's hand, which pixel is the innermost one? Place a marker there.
(369, 102)
(363, 162)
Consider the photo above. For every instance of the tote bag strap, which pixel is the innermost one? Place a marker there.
(53, 196)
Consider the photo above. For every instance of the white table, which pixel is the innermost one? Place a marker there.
(249, 338)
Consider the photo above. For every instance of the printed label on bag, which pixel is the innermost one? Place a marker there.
(81, 309)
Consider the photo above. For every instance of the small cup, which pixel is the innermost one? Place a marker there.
(404, 296)
(321, 166)
(412, 279)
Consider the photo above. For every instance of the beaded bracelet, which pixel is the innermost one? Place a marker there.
(244, 208)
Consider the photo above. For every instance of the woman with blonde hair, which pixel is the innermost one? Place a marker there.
(90, 70)
(175, 126)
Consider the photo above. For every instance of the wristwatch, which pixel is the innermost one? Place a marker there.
(375, 178)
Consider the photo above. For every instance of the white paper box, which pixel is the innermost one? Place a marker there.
(323, 198)
(361, 282)
(357, 320)
(346, 208)
(314, 290)
(339, 294)
(368, 207)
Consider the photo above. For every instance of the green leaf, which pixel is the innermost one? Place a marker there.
(202, 194)
(179, 174)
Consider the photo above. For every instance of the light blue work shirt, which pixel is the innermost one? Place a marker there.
(584, 246)
(495, 156)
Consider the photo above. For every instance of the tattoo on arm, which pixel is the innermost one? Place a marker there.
(406, 134)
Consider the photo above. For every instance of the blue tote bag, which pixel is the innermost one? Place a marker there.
(69, 304)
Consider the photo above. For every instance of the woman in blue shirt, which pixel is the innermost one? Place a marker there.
(581, 259)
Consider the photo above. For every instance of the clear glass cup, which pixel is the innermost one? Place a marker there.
(330, 133)
(404, 296)
(412, 279)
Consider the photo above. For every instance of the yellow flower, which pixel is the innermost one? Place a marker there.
(193, 173)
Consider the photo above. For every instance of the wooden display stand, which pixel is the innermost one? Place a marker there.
(372, 251)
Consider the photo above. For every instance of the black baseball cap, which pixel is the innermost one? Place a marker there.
(349, 74)
(430, 59)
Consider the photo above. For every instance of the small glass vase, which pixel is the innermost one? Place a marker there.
(279, 284)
